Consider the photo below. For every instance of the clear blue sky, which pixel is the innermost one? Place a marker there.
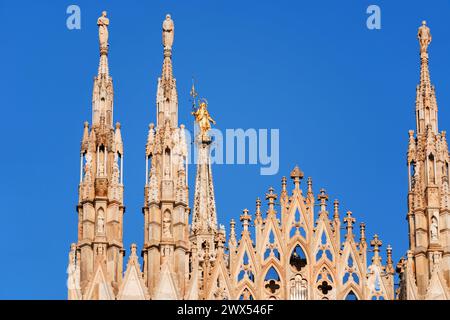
(341, 95)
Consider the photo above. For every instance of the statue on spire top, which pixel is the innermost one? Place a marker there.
(202, 117)
(168, 32)
(424, 37)
(103, 23)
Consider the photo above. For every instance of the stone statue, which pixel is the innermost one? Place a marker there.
(203, 118)
(434, 229)
(424, 36)
(167, 221)
(101, 168)
(436, 258)
(168, 32)
(100, 223)
(103, 23)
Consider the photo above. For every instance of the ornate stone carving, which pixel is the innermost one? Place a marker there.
(168, 30)
(103, 35)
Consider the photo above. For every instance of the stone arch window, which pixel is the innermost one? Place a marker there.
(298, 259)
(101, 161)
(445, 172)
(351, 296)
(324, 282)
(431, 169)
(246, 295)
(298, 288)
(167, 164)
(83, 162)
(272, 281)
(412, 174)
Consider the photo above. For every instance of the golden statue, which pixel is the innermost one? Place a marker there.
(202, 117)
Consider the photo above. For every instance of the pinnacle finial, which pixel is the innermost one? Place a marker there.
(283, 184)
(271, 196)
(258, 206)
(323, 198)
(297, 175)
(336, 209)
(376, 243)
(349, 220)
(245, 218)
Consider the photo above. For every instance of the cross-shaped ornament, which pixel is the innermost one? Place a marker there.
(324, 287)
(273, 286)
(349, 220)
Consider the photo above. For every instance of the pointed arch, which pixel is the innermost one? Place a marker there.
(246, 294)
(298, 259)
(244, 266)
(351, 295)
(272, 280)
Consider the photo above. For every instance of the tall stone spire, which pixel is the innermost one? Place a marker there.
(166, 208)
(428, 178)
(97, 257)
(166, 97)
(204, 220)
(204, 229)
(102, 96)
(426, 106)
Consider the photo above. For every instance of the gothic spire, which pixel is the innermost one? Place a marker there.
(166, 97)
(204, 219)
(426, 106)
(102, 97)
(103, 35)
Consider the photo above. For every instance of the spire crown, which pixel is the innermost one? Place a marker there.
(323, 198)
(297, 175)
(349, 220)
(245, 218)
(336, 209)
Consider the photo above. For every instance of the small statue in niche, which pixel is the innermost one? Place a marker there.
(167, 221)
(434, 228)
(100, 223)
